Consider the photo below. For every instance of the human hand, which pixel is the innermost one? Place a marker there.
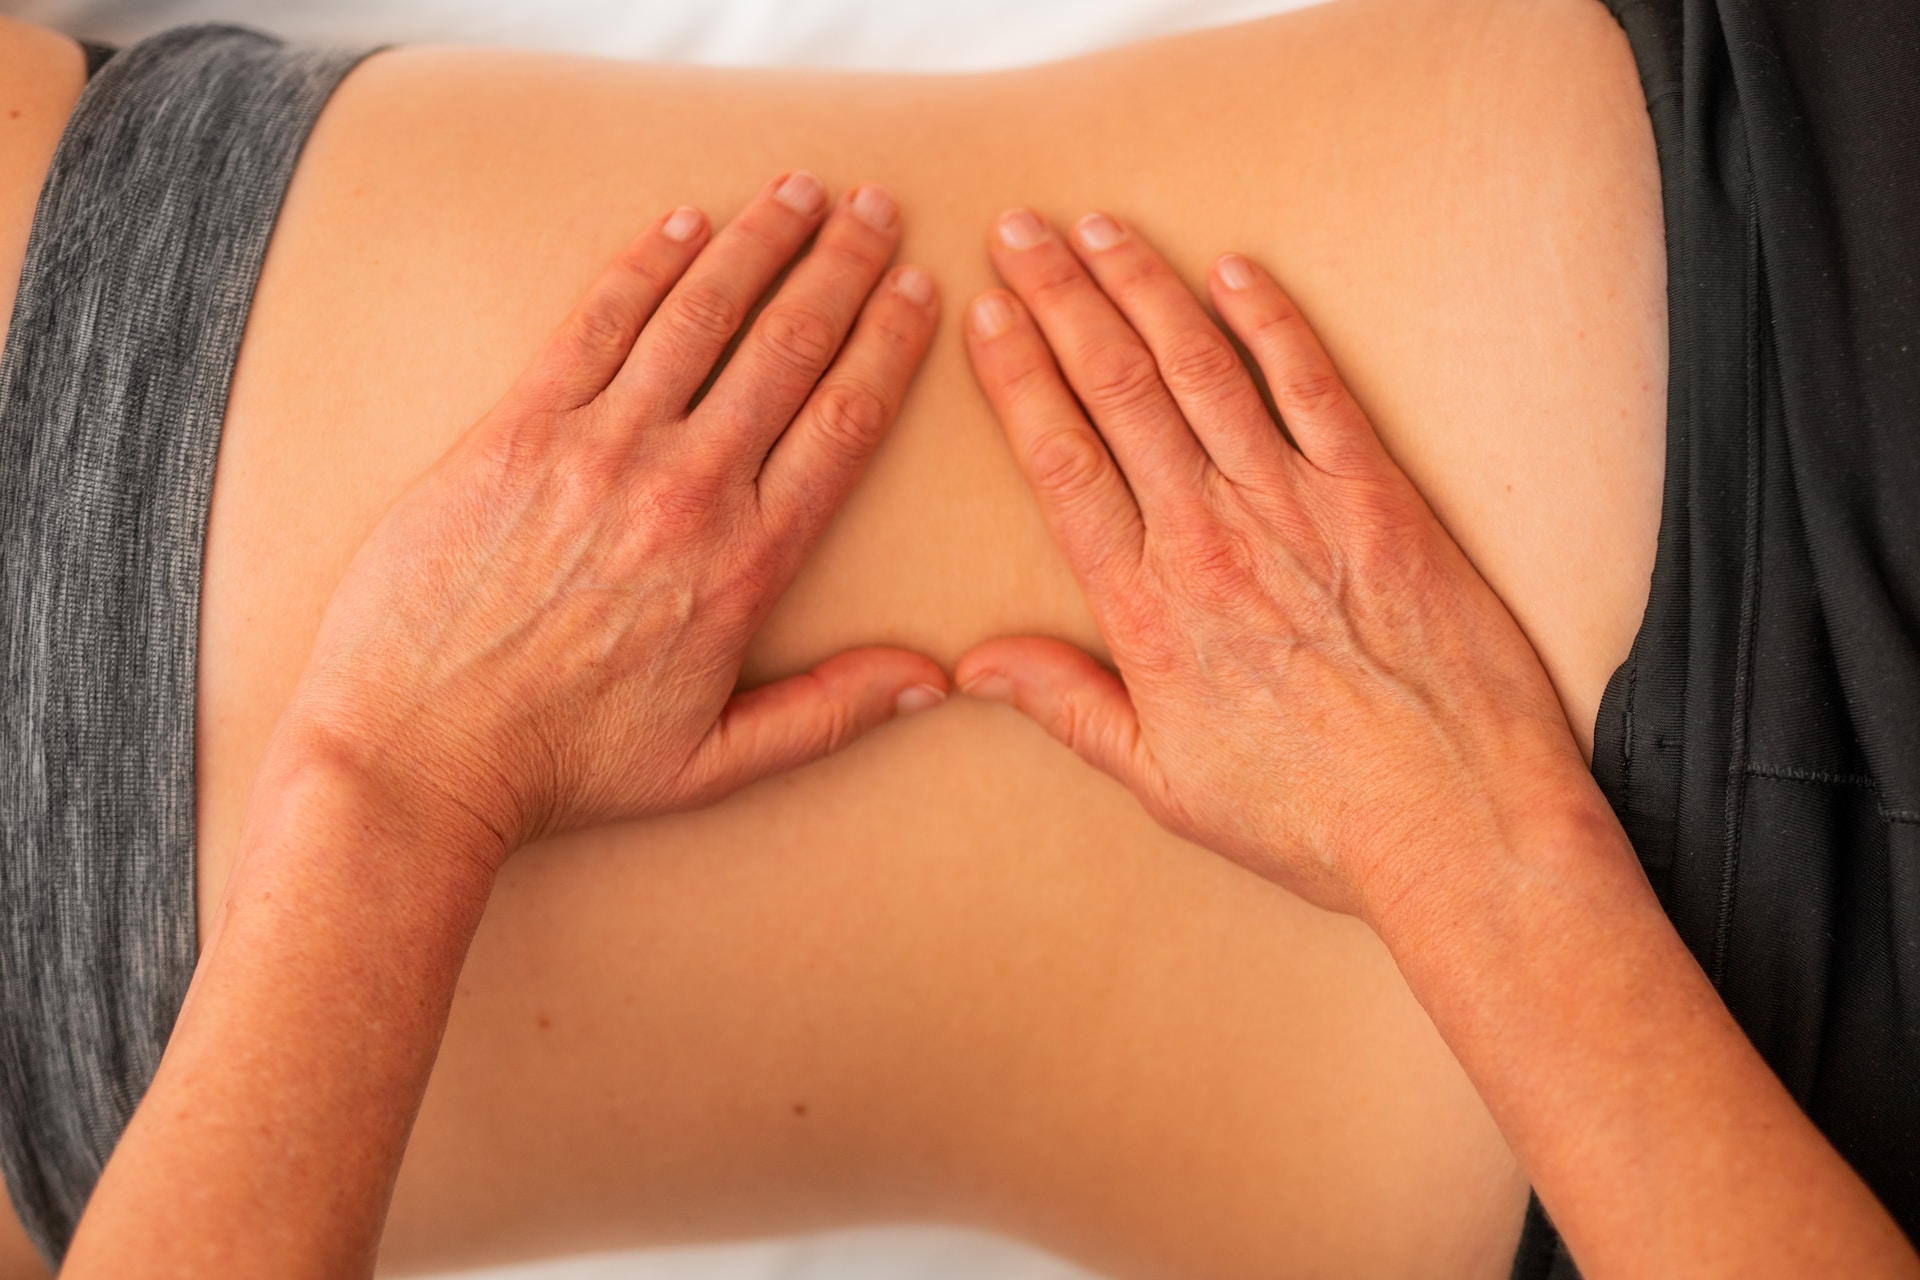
(1313, 680)
(545, 632)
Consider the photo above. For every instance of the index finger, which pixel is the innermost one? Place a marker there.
(1084, 499)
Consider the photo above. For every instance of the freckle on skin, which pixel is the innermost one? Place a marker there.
(543, 1022)
(799, 1111)
(14, 114)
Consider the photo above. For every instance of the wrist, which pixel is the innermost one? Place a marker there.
(1547, 835)
(315, 773)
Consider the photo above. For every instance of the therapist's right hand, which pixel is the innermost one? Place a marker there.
(1313, 680)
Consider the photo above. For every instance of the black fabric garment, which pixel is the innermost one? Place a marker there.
(96, 55)
(1761, 743)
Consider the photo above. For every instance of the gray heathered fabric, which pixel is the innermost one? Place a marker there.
(146, 245)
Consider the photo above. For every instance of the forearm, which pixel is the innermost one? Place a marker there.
(1655, 1135)
(269, 1141)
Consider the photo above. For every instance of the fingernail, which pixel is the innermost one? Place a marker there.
(875, 208)
(802, 193)
(992, 315)
(1097, 231)
(915, 285)
(992, 688)
(1019, 229)
(919, 697)
(1235, 271)
(685, 224)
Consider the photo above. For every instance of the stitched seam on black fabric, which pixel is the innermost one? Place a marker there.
(1749, 590)
(1819, 777)
(1626, 736)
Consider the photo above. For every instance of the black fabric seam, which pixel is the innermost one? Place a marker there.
(1821, 778)
(1749, 584)
(1818, 777)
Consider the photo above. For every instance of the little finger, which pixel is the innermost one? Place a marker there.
(676, 352)
(584, 355)
(1328, 425)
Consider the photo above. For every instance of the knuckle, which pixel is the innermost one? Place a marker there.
(640, 269)
(799, 338)
(853, 256)
(1055, 282)
(675, 505)
(1119, 377)
(1217, 567)
(705, 313)
(1200, 364)
(1069, 464)
(1310, 387)
(849, 418)
(835, 728)
(1282, 324)
(604, 328)
(1132, 267)
(1025, 380)
(1074, 725)
(583, 477)
(898, 329)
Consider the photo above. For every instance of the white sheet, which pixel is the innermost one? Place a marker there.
(904, 35)
(918, 35)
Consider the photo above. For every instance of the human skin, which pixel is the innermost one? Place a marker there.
(952, 972)
(1313, 682)
(544, 634)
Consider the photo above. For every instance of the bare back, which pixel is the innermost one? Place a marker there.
(952, 973)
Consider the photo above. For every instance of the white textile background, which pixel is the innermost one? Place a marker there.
(917, 35)
(897, 35)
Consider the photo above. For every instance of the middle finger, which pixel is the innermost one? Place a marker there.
(1105, 362)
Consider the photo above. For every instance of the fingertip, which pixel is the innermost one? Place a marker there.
(989, 685)
(1021, 229)
(916, 698)
(916, 286)
(685, 225)
(801, 193)
(875, 206)
(1098, 232)
(983, 661)
(1235, 272)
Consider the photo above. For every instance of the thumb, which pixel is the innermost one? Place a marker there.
(786, 724)
(1070, 695)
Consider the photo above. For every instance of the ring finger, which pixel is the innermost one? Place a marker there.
(680, 345)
